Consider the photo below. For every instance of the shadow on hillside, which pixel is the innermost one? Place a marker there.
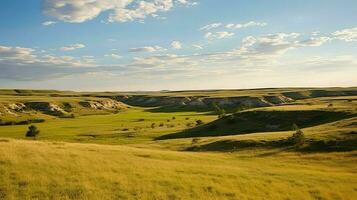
(169, 109)
(259, 121)
(283, 145)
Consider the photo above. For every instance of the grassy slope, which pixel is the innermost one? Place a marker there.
(46, 170)
(110, 129)
(147, 169)
(335, 136)
(304, 113)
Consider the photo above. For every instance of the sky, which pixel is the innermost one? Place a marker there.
(137, 45)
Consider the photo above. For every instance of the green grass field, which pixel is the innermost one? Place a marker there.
(153, 153)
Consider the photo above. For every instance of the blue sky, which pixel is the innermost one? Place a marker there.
(177, 44)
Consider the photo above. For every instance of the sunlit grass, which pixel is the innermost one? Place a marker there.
(45, 170)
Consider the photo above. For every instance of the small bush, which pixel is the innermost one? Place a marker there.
(170, 125)
(190, 124)
(173, 118)
(199, 122)
(32, 131)
(153, 125)
(187, 118)
(298, 138)
(67, 107)
(161, 124)
(195, 141)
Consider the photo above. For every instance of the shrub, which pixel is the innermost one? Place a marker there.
(190, 124)
(32, 131)
(173, 118)
(187, 118)
(298, 138)
(153, 125)
(170, 125)
(199, 122)
(67, 107)
(195, 141)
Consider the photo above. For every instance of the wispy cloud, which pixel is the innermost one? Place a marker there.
(72, 47)
(254, 54)
(79, 11)
(196, 46)
(113, 55)
(48, 23)
(147, 49)
(348, 35)
(218, 35)
(176, 45)
(210, 26)
(245, 25)
(232, 25)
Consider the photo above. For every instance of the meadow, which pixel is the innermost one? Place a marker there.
(145, 152)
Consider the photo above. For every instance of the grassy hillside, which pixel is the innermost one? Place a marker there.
(48, 170)
(128, 126)
(179, 149)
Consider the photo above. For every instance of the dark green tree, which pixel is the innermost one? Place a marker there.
(298, 137)
(32, 131)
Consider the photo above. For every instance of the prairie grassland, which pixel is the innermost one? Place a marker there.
(52, 170)
(129, 126)
(128, 161)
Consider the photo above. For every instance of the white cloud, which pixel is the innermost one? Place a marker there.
(113, 55)
(315, 41)
(232, 26)
(48, 23)
(210, 26)
(72, 47)
(19, 56)
(271, 45)
(187, 2)
(245, 25)
(348, 35)
(79, 11)
(196, 46)
(176, 45)
(147, 49)
(218, 35)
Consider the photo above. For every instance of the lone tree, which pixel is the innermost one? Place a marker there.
(220, 111)
(32, 131)
(298, 138)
